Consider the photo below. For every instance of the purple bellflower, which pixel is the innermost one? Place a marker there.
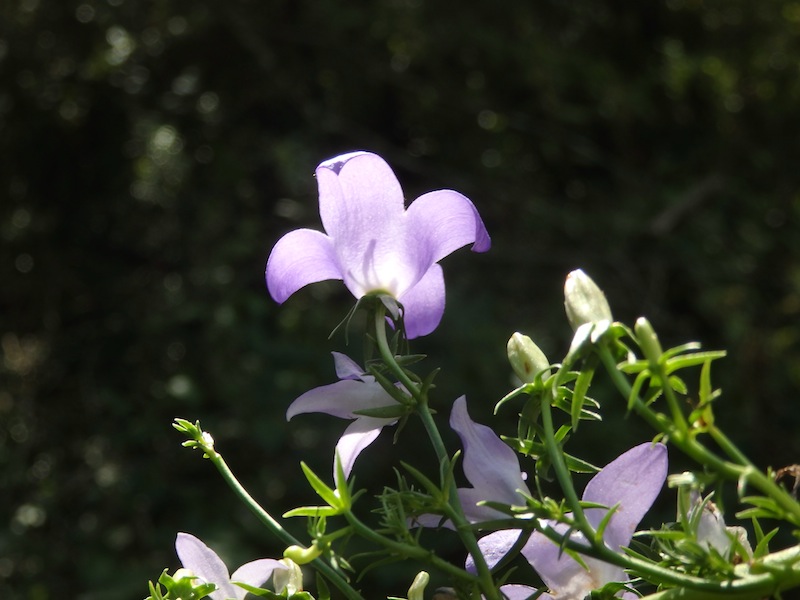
(629, 484)
(373, 243)
(204, 563)
(355, 391)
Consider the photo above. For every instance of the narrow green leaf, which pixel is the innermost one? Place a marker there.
(324, 492)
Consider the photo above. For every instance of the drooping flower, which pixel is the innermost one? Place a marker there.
(374, 244)
(353, 392)
(204, 563)
(629, 485)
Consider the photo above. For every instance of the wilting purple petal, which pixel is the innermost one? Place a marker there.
(299, 258)
(341, 399)
(358, 435)
(256, 573)
(373, 243)
(490, 465)
(633, 480)
(423, 304)
(205, 564)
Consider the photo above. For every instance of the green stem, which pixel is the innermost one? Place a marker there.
(463, 527)
(407, 550)
(562, 472)
(276, 528)
(687, 442)
(765, 579)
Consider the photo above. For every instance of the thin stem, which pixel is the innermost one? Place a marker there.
(276, 528)
(687, 442)
(407, 550)
(562, 472)
(460, 522)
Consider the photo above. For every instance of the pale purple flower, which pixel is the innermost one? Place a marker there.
(373, 243)
(204, 563)
(630, 483)
(355, 391)
(491, 467)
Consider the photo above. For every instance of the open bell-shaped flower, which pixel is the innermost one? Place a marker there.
(204, 563)
(374, 244)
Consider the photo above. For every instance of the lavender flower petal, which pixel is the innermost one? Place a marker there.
(423, 304)
(341, 399)
(346, 367)
(256, 573)
(490, 465)
(494, 547)
(358, 435)
(446, 220)
(205, 564)
(514, 591)
(299, 258)
(633, 480)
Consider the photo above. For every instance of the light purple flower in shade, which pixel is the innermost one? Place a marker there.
(373, 243)
(204, 563)
(489, 465)
(355, 391)
(630, 483)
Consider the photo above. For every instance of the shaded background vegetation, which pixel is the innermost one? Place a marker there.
(152, 153)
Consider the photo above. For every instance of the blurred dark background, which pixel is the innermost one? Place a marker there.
(153, 152)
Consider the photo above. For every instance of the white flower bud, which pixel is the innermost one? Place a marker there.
(526, 357)
(584, 301)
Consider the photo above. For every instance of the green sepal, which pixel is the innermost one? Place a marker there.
(312, 511)
(579, 392)
(691, 360)
(323, 491)
(394, 411)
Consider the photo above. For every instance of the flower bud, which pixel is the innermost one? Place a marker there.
(648, 340)
(302, 555)
(417, 589)
(526, 358)
(584, 301)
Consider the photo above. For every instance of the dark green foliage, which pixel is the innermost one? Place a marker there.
(152, 153)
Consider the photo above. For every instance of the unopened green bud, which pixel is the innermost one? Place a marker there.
(417, 589)
(584, 301)
(526, 357)
(289, 580)
(302, 555)
(648, 340)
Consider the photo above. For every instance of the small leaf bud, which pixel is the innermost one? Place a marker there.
(584, 301)
(417, 589)
(526, 357)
